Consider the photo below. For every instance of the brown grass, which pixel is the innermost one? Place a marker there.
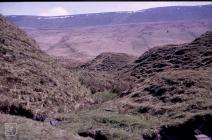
(33, 79)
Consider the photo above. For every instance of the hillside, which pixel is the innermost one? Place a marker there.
(194, 55)
(82, 37)
(33, 84)
(82, 44)
(172, 13)
(173, 83)
(165, 94)
(109, 62)
(172, 103)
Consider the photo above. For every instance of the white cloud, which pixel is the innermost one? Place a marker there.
(56, 11)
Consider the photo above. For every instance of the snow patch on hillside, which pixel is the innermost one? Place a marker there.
(55, 17)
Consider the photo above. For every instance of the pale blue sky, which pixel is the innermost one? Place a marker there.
(72, 8)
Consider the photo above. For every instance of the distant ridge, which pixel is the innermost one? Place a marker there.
(172, 13)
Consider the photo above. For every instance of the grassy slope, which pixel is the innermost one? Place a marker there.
(146, 107)
(171, 96)
(32, 80)
(173, 83)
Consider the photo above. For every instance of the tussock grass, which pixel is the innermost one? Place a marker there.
(113, 124)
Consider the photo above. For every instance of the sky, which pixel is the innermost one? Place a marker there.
(73, 8)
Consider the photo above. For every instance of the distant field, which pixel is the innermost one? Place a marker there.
(87, 42)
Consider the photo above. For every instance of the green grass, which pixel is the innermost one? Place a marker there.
(101, 81)
(104, 96)
(114, 125)
(28, 129)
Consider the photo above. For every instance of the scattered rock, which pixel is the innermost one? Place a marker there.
(97, 135)
(108, 110)
(202, 137)
(54, 122)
